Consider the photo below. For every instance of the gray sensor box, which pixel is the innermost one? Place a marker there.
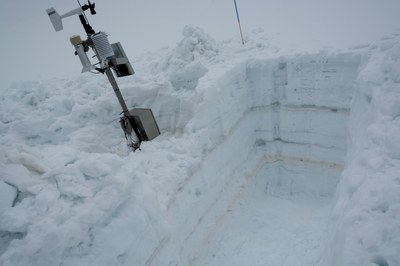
(145, 122)
(120, 63)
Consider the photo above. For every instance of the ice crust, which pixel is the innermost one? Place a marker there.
(297, 127)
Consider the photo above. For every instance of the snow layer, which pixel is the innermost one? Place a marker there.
(233, 118)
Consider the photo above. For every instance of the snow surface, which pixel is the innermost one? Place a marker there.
(8, 195)
(258, 143)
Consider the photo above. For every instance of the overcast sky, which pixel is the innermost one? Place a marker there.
(31, 49)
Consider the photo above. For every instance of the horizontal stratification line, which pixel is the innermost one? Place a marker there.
(308, 108)
(293, 159)
(303, 144)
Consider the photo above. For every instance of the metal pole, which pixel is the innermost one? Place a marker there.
(240, 27)
(115, 87)
(131, 132)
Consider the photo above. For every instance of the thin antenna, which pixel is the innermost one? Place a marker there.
(240, 27)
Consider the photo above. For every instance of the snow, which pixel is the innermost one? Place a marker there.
(366, 214)
(269, 230)
(8, 195)
(268, 156)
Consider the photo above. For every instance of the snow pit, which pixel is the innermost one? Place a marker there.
(269, 181)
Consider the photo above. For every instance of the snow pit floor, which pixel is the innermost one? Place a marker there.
(263, 229)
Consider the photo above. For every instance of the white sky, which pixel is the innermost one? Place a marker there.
(31, 49)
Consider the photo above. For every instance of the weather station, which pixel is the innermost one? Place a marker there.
(138, 124)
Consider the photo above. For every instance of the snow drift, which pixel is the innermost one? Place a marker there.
(288, 125)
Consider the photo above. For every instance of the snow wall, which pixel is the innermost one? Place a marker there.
(227, 113)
